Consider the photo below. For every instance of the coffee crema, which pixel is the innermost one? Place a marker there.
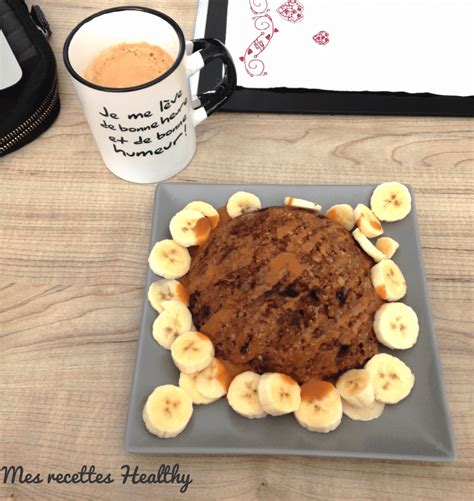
(128, 65)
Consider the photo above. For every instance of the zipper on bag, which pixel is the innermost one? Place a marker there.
(20, 132)
(40, 20)
(28, 126)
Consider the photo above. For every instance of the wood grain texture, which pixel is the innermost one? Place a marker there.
(73, 247)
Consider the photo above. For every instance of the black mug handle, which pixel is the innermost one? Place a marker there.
(211, 49)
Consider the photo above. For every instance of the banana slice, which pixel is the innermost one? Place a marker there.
(278, 393)
(167, 411)
(167, 290)
(367, 246)
(169, 260)
(243, 395)
(321, 407)
(190, 227)
(303, 204)
(214, 380)
(355, 386)
(368, 224)
(396, 326)
(392, 379)
(391, 201)
(388, 280)
(192, 352)
(206, 209)
(387, 245)
(368, 413)
(342, 214)
(241, 203)
(187, 382)
(174, 320)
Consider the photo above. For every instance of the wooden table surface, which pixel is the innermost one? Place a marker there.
(73, 251)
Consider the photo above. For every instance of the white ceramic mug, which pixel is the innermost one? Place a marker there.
(146, 133)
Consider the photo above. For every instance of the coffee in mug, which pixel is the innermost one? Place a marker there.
(141, 110)
(128, 64)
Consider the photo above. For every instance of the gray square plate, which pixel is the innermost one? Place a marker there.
(418, 428)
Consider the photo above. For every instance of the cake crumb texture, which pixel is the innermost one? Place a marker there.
(284, 290)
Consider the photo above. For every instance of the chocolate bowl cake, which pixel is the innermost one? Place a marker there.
(284, 290)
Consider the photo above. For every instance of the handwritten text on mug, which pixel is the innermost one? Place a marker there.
(159, 133)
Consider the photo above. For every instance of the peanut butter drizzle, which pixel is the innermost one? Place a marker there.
(282, 231)
(202, 230)
(215, 321)
(316, 389)
(182, 293)
(287, 379)
(381, 291)
(222, 218)
(281, 264)
(202, 336)
(222, 374)
(375, 224)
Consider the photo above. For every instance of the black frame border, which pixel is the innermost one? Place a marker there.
(308, 101)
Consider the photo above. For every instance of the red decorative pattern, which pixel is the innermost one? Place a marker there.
(291, 11)
(263, 22)
(321, 38)
(258, 6)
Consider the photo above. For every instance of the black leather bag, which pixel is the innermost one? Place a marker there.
(31, 105)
